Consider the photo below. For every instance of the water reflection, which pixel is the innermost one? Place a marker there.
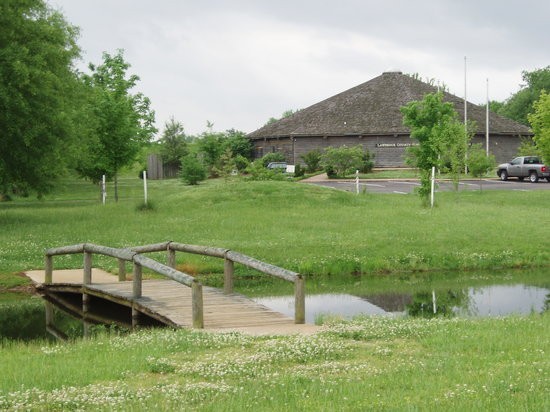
(494, 300)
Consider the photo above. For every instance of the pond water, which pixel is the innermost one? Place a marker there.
(421, 295)
(492, 300)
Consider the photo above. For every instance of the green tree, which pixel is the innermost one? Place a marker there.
(540, 121)
(453, 147)
(284, 115)
(238, 143)
(432, 123)
(343, 160)
(173, 143)
(124, 121)
(520, 104)
(192, 170)
(479, 163)
(38, 95)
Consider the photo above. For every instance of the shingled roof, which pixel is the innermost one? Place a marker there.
(373, 108)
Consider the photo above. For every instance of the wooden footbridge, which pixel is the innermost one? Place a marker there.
(177, 301)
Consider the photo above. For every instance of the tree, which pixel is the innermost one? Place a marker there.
(540, 121)
(173, 144)
(434, 124)
(453, 148)
(343, 160)
(479, 163)
(38, 95)
(520, 104)
(192, 170)
(238, 143)
(124, 121)
(284, 115)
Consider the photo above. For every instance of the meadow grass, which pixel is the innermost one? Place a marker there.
(305, 228)
(368, 363)
(361, 364)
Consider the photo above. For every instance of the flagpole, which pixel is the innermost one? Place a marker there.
(487, 122)
(465, 116)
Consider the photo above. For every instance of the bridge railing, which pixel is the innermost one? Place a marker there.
(139, 261)
(134, 254)
(230, 258)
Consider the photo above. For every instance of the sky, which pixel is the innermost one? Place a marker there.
(236, 63)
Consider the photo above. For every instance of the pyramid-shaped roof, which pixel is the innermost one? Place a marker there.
(373, 108)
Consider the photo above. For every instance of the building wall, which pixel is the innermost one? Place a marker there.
(389, 151)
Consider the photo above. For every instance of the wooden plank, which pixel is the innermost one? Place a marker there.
(171, 303)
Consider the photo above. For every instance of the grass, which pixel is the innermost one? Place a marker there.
(309, 229)
(363, 364)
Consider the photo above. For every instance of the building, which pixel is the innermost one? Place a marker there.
(369, 115)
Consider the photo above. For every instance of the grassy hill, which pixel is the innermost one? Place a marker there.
(305, 228)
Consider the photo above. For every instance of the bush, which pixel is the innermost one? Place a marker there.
(368, 163)
(257, 171)
(343, 160)
(312, 160)
(329, 170)
(299, 171)
(272, 157)
(192, 170)
(241, 162)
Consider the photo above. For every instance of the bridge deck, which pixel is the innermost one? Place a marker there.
(170, 302)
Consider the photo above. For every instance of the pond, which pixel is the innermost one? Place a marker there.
(494, 300)
(419, 295)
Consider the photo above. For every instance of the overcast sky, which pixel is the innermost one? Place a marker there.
(238, 63)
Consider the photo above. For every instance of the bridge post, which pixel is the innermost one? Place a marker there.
(121, 270)
(171, 257)
(86, 281)
(299, 300)
(197, 305)
(48, 264)
(228, 271)
(136, 285)
(87, 268)
(136, 293)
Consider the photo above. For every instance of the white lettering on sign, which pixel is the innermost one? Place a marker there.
(396, 144)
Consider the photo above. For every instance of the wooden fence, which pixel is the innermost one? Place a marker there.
(135, 255)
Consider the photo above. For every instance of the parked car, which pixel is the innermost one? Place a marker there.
(522, 167)
(277, 166)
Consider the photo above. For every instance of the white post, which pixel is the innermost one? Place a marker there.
(434, 302)
(145, 186)
(103, 190)
(357, 181)
(433, 187)
(487, 122)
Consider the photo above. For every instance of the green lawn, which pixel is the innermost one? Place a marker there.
(364, 364)
(372, 363)
(309, 229)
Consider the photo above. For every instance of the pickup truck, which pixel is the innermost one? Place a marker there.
(522, 167)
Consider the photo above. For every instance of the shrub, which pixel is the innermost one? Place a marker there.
(312, 160)
(241, 162)
(343, 160)
(368, 163)
(257, 171)
(299, 171)
(192, 170)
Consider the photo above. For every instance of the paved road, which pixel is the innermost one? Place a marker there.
(407, 186)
